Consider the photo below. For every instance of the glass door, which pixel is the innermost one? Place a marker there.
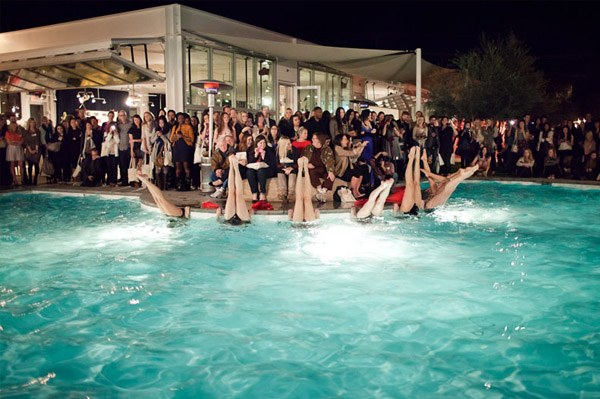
(287, 99)
(308, 97)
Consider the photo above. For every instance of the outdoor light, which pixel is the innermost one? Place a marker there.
(210, 87)
(512, 122)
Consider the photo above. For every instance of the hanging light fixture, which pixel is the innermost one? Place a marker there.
(97, 98)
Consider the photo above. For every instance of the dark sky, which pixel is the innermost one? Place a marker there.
(564, 36)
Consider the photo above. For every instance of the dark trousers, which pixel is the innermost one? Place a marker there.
(318, 173)
(124, 160)
(257, 179)
(33, 177)
(446, 167)
(62, 170)
(111, 168)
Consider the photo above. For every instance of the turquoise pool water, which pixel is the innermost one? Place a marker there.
(495, 295)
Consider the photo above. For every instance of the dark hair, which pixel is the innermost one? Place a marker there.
(405, 113)
(322, 137)
(171, 110)
(338, 118)
(338, 139)
(365, 114)
(317, 108)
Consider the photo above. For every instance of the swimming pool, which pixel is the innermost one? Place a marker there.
(494, 295)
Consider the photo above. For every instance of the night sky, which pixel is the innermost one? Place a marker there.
(564, 36)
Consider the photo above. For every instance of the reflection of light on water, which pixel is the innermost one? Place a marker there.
(352, 242)
(467, 212)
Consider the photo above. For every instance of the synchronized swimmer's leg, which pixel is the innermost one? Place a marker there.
(163, 204)
(368, 207)
(235, 205)
(408, 201)
(303, 208)
(378, 209)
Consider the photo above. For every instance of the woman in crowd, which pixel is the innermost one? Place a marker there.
(110, 152)
(273, 136)
(58, 153)
(522, 137)
(338, 124)
(296, 126)
(14, 149)
(88, 140)
(148, 135)
(350, 120)
(447, 138)
(246, 142)
(483, 162)
(32, 140)
(506, 157)
(260, 127)
(182, 138)
(135, 140)
(367, 132)
(262, 165)
(287, 168)
(302, 141)
(589, 154)
(525, 164)
(74, 137)
(565, 149)
(321, 165)
(465, 146)
(345, 167)
(551, 168)
(225, 127)
(420, 132)
(161, 148)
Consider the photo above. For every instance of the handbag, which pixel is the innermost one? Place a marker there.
(132, 172)
(53, 147)
(105, 148)
(77, 170)
(168, 155)
(47, 168)
(346, 195)
(147, 169)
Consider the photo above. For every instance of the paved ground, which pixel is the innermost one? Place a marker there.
(195, 199)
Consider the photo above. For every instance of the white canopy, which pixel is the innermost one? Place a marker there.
(386, 65)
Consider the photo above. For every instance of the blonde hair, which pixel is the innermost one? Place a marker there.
(282, 145)
(29, 123)
(144, 117)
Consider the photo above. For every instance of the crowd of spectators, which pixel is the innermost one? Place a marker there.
(359, 148)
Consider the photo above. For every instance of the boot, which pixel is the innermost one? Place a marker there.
(187, 184)
(160, 181)
(180, 183)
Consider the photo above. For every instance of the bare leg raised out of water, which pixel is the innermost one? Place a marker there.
(376, 201)
(446, 189)
(163, 204)
(235, 204)
(303, 207)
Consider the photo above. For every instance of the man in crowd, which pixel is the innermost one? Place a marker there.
(316, 124)
(123, 126)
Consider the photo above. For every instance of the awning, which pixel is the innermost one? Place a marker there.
(87, 69)
(385, 65)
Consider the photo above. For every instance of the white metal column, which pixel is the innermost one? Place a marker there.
(418, 79)
(174, 61)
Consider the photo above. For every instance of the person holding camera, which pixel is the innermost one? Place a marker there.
(346, 167)
(110, 152)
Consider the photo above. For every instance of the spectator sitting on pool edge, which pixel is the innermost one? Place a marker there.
(163, 204)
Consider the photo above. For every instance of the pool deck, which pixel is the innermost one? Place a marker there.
(194, 199)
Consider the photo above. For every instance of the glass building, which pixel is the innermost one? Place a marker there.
(155, 54)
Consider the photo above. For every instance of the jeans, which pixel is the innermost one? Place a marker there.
(214, 177)
(258, 178)
(286, 183)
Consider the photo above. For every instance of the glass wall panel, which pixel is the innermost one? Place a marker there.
(244, 82)
(198, 70)
(305, 77)
(222, 69)
(321, 80)
(346, 87)
(265, 70)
